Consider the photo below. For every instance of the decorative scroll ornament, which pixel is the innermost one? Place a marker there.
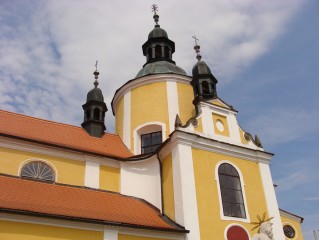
(265, 228)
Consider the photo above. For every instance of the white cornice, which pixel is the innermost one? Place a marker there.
(26, 146)
(290, 216)
(147, 80)
(217, 108)
(199, 142)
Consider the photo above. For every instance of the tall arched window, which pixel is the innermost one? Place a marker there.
(38, 170)
(231, 191)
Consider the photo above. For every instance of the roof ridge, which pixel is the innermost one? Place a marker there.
(49, 121)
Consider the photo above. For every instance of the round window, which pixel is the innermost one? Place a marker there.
(289, 231)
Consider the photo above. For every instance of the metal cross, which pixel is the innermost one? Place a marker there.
(196, 39)
(96, 64)
(154, 8)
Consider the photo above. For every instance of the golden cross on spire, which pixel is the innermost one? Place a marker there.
(196, 39)
(154, 8)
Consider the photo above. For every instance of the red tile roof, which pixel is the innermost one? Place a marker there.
(61, 135)
(82, 204)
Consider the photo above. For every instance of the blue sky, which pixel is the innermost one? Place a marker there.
(264, 54)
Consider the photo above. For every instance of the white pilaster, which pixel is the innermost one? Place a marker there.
(233, 128)
(271, 201)
(172, 100)
(92, 174)
(186, 212)
(110, 234)
(207, 121)
(127, 120)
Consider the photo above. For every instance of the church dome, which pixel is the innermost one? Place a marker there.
(160, 67)
(157, 32)
(95, 95)
(201, 68)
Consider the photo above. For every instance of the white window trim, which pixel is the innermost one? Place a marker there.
(232, 225)
(38, 160)
(222, 216)
(145, 128)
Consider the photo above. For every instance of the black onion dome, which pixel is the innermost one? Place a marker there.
(95, 95)
(201, 68)
(157, 32)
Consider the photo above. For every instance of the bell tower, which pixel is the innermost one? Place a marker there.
(203, 82)
(94, 110)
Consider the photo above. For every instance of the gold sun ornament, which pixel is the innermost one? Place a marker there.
(261, 220)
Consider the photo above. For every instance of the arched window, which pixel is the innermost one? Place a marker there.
(38, 170)
(158, 51)
(96, 114)
(231, 191)
(205, 87)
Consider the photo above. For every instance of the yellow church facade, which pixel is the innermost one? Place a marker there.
(178, 167)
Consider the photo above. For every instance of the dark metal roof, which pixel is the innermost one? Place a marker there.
(160, 67)
(201, 68)
(95, 94)
(157, 32)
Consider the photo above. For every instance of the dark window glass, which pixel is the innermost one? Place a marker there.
(205, 87)
(231, 192)
(150, 141)
(166, 52)
(289, 231)
(149, 53)
(158, 51)
(38, 170)
(96, 114)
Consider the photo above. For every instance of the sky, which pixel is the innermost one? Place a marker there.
(263, 53)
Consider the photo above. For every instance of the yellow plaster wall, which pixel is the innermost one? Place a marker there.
(185, 99)
(109, 178)
(207, 192)
(218, 103)
(149, 104)
(26, 231)
(295, 225)
(223, 119)
(168, 188)
(68, 171)
(130, 237)
(119, 117)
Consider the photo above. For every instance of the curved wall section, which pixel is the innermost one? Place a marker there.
(149, 99)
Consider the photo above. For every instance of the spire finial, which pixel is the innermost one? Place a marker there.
(197, 48)
(96, 74)
(156, 17)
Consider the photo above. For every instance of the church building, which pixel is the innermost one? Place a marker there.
(179, 165)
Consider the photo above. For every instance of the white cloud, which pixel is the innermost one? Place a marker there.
(48, 49)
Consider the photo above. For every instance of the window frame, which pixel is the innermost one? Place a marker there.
(27, 161)
(144, 129)
(151, 145)
(222, 216)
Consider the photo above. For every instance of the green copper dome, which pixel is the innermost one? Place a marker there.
(160, 67)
